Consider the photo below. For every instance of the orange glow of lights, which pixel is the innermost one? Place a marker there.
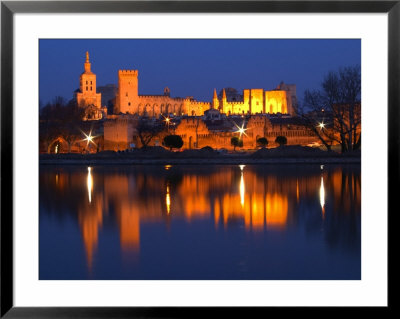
(276, 209)
(257, 211)
(129, 227)
(90, 237)
(217, 212)
(90, 220)
(196, 206)
(194, 190)
(167, 167)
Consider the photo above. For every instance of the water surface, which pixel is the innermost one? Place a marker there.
(200, 222)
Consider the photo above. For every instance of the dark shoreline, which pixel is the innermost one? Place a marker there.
(205, 161)
(161, 156)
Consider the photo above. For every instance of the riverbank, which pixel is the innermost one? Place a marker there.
(161, 156)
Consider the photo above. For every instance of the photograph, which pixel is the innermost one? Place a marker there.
(199, 159)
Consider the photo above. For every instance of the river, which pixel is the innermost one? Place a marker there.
(216, 222)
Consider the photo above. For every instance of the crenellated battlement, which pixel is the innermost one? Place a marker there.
(236, 103)
(162, 97)
(128, 72)
(194, 102)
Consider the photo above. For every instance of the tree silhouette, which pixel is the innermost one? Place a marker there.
(281, 140)
(236, 142)
(173, 141)
(333, 113)
(262, 142)
(147, 129)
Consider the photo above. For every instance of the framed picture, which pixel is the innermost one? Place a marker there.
(175, 158)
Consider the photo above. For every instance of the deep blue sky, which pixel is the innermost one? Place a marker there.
(193, 67)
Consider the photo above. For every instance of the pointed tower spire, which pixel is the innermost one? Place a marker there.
(223, 95)
(224, 103)
(215, 102)
(87, 63)
(87, 94)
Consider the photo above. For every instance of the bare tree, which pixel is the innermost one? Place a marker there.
(60, 119)
(147, 129)
(333, 113)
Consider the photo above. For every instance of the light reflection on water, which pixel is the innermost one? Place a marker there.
(322, 196)
(153, 210)
(90, 184)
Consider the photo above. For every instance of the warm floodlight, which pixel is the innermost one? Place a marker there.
(166, 119)
(321, 125)
(241, 130)
(89, 138)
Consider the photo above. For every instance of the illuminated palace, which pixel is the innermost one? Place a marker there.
(261, 113)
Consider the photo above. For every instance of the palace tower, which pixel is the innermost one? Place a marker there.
(87, 95)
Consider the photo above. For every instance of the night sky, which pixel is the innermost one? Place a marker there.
(193, 67)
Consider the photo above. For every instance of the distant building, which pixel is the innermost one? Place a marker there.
(257, 101)
(232, 95)
(262, 113)
(128, 100)
(253, 101)
(213, 129)
(86, 97)
(108, 93)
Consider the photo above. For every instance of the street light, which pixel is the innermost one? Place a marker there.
(89, 138)
(167, 120)
(241, 130)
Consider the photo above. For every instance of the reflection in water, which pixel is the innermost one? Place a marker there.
(168, 200)
(322, 196)
(271, 199)
(90, 219)
(129, 221)
(89, 183)
(277, 210)
(241, 185)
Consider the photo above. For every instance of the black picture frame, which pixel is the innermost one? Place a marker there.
(9, 8)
